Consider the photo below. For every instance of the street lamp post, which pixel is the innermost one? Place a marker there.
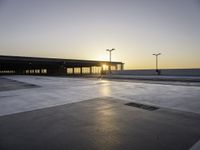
(110, 55)
(158, 72)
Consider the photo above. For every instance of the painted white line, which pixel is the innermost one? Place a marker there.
(196, 146)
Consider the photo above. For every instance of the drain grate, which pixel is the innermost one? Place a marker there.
(142, 106)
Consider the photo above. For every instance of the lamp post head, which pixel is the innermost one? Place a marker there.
(110, 50)
(157, 54)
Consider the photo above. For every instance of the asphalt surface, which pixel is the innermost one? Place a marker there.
(103, 123)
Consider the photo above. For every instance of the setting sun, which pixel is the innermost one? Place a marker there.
(105, 67)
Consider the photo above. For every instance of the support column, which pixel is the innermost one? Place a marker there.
(122, 66)
(90, 70)
(102, 71)
(81, 71)
(66, 71)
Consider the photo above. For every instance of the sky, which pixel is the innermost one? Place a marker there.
(84, 29)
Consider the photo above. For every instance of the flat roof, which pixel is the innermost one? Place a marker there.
(55, 60)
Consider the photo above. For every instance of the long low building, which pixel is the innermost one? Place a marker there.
(54, 66)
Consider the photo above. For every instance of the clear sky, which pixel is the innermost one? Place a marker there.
(83, 29)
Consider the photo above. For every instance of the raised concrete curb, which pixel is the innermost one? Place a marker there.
(155, 78)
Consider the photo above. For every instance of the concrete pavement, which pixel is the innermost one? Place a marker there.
(103, 123)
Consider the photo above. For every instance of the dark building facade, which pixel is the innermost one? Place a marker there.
(54, 66)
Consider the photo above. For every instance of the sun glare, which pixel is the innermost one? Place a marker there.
(102, 57)
(105, 67)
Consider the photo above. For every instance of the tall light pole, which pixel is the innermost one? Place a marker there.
(110, 55)
(110, 52)
(157, 62)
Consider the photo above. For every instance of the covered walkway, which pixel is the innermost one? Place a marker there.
(54, 66)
